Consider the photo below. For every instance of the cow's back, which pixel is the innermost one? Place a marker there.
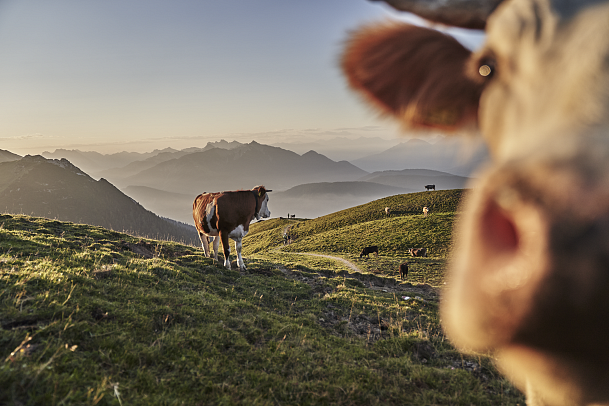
(235, 208)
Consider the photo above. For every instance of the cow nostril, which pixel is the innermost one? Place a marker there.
(499, 230)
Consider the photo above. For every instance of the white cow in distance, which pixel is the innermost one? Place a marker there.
(529, 278)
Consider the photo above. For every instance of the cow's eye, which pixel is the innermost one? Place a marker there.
(487, 67)
(485, 70)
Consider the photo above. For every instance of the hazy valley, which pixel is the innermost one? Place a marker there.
(165, 182)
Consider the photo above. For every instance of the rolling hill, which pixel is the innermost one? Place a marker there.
(346, 232)
(57, 189)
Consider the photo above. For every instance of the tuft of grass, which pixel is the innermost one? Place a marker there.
(85, 319)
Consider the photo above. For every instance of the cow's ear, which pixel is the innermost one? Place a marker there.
(413, 73)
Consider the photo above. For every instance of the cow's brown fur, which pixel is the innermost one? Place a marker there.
(433, 90)
(232, 209)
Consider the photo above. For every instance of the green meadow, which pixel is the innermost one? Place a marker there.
(95, 317)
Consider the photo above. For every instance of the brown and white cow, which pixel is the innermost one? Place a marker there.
(529, 278)
(418, 252)
(228, 215)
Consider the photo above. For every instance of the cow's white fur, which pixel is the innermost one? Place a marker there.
(209, 213)
(236, 235)
(264, 209)
(216, 244)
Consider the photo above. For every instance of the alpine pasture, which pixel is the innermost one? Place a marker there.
(92, 316)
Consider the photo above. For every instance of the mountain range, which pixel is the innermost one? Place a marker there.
(242, 167)
(93, 162)
(57, 189)
(452, 155)
(309, 185)
(340, 148)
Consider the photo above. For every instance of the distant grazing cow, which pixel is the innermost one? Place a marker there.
(293, 216)
(387, 210)
(529, 274)
(430, 187)
(403, 270)
(418, 252)
(425, 211)
(369, 250)
(228, 215)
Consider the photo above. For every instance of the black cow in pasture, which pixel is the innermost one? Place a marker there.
(430, 187)
(369, 250)
(403, 270)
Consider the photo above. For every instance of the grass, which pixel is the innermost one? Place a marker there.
(86, 320)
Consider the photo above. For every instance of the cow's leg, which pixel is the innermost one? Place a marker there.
(226, 248)
(204, 243)
(239, 258)
(216, 247)
(237, 234)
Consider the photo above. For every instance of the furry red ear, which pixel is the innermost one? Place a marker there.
(413, 73)
(261, 190)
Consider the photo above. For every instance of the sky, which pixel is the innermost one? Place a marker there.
(138, 75)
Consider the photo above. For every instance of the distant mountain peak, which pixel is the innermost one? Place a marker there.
(63, 163)
(417, 141)
(222, 144)
(7, 156)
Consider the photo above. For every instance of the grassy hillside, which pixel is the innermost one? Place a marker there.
(346, 232)
(441, 201)
(91, 316)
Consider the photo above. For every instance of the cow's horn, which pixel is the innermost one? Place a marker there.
(458, 13)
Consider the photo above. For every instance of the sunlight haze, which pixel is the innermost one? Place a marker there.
(132, 75)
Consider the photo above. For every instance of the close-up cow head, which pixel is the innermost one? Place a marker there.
(529, 272)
